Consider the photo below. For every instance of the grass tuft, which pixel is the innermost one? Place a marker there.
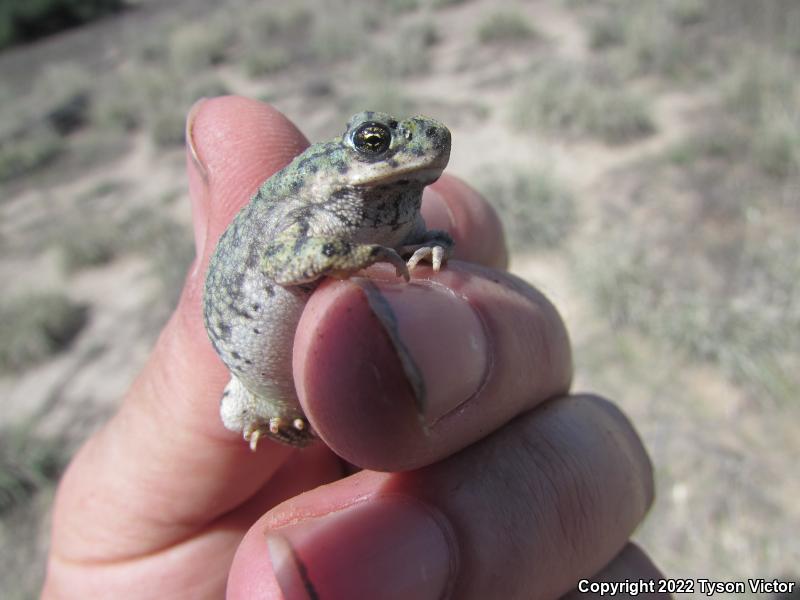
(35, 326)
(505, 26)
(446, 3)
(537, 210)
(198, 46)
(606, 31)
(28, 464)
(710, 271)
(266, 61)
(410, 53)
(32, 150)
(400, 6)
(569, 100)
(269, 36)
(65, 90)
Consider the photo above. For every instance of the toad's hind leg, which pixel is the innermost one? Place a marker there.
(257, 416)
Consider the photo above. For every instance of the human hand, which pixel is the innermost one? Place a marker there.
(505, 487)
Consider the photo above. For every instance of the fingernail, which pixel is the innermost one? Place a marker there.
(189, 135)
(439, 338)
(387, 547)
(198, 185)
(436, 212)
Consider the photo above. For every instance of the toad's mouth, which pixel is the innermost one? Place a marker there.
(404, 175)
(410, 178)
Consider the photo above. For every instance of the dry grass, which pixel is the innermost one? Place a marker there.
(572, 101)
(29, 152)
(35, 326)
(408, 54)
(537, 209)
(195, 47)
(28, 464)
(504, 27)
(724, 287)
(687, 256)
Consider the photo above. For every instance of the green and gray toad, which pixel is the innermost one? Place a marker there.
(338, 207)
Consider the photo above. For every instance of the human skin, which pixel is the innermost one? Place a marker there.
(506, 485)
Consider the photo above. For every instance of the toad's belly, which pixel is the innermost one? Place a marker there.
(251, 322)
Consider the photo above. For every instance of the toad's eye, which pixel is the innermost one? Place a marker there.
(372, 139)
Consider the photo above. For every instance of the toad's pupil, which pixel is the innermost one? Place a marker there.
(372, 138)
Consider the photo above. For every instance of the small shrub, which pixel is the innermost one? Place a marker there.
(762, 96)
(169, 250)
(91, 245)
(776, 149)
(505, 27)
(263, 24)
(36, 326)
(410, 54)
(707, 265)
(400, 6)
(195, 47)
(606, 31)
(620, 117)
(331, 43)
(28, 464)
(167, 126)
(26, 21)
(29, 151)
(117, 105)
(655, 45)
(266, 61)
(648, 38)
(536, 208)
(689, 12)
(64, 91)
(718, 142)
(446, 3)
(569, 100)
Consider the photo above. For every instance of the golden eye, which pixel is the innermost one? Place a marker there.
(372, 139)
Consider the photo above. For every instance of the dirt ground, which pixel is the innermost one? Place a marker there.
(644, 155)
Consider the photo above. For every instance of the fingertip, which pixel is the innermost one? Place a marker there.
(393, 376)
(252, 576)
(349, 381)
(233, 145)
(456, 207)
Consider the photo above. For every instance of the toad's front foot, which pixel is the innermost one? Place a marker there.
(437, 247)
